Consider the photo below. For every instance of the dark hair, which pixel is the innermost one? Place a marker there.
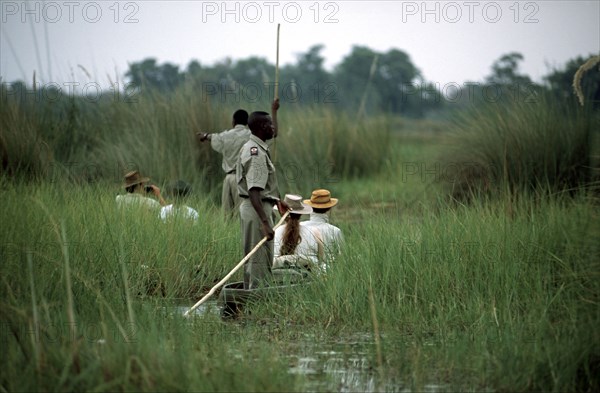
(180, 189)
(240, 117)
(256, 120)
(321, 210)
(291, 237)
(131, 189)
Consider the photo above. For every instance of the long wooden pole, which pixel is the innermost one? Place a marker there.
(235, 269)
(276, 94)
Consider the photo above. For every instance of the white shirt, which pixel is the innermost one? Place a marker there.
(171, 211)
(330, 234)
(136, 200)
(307, 249)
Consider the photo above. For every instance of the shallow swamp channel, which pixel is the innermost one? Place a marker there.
(347, 362)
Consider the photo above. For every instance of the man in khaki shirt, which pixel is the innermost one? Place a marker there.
(229, 143)
(257, 186)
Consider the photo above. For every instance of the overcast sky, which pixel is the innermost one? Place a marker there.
(449, 41)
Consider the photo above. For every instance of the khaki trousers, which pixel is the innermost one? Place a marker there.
(230, 199)
(257, 269)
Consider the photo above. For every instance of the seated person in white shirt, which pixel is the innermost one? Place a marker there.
(331, 236)
(137, 193)
(179, 191)
(295, 245)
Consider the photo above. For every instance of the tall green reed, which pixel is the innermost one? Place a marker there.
(474, 286)
(89, 314)
(470, 289)
(511, 145)
(318, 147)
(100, 140)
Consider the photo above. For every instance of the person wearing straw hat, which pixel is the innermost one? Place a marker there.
(258, 189)
(331, 236)
(297, 245)
(178, 210)
(137, 190)
(229, 143)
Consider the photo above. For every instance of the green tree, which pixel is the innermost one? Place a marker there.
(251, 80)
(560, 82)
(509, 82)
(505, 71)
(255, 70)
(307, 81)
(352, 79)
(385, 82)
(149, 74)
(194, 69)
(505, 83)
(395, 72)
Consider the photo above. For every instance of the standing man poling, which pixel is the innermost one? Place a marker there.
(257, 186)
(229, 143)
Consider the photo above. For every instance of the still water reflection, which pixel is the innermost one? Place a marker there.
(344, 364)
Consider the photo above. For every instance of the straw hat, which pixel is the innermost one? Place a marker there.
(321, 199)
(132, 178)
(295, 203)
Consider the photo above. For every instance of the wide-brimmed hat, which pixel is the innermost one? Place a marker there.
(295, 203)
(321, 199)
(134, 177)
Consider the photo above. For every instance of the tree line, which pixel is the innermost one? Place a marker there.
(365, 82)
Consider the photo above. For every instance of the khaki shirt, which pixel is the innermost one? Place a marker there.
(229, 143)
(255, 169)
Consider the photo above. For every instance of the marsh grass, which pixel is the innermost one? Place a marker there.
(318, 147)
(499, 294)
(471, 288)
(514, 146)
(93, 141)
(22, 148)
(465, 296)
(88, 268)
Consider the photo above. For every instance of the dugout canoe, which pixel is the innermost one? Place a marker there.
(233, 297)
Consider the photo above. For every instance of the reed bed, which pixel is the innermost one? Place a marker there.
(512, 146)
(101, 140)
(472, 296)
(103, 286)
(469, 297)
(498, 294)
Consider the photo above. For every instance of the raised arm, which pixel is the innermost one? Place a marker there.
(157, 194)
